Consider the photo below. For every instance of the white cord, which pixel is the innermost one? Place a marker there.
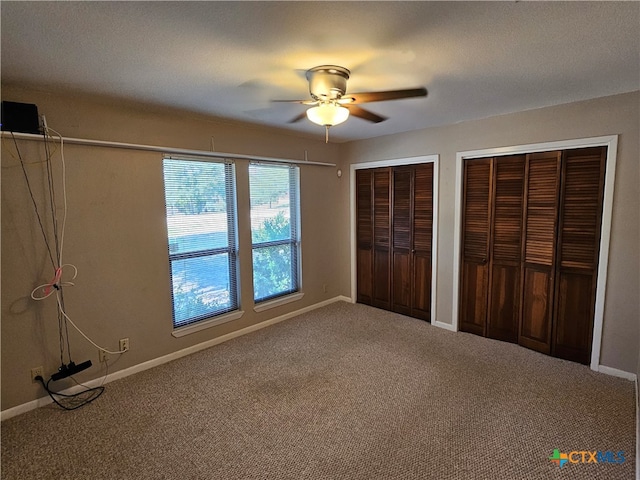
(64, 191)
(56, 284)
(82, 333)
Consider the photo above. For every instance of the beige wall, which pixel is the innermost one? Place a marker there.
(605, 116)
(116, 234)
(116, 227)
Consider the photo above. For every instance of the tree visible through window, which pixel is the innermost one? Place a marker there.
(201, 226)
(274, 230)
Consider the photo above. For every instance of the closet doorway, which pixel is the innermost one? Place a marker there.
(394, 235)
(532, 241)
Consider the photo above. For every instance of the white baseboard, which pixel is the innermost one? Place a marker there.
(614, 372)
(40, 402)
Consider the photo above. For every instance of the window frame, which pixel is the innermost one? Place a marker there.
(294, 241)
(209, 319)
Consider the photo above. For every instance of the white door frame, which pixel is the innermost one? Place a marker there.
(435, 159)
(611, 142)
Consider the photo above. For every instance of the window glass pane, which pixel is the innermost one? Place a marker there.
(201, 287)
(196, 205)
(272, 271)
(197, 241)
(270, 203)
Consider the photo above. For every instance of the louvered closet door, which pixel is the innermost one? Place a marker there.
(579, 246)
(505, 249)
(364, 235)
(422, 241)
(412, 224)
(539, 249)
(475, 245)
(402, 236)
(382, 238)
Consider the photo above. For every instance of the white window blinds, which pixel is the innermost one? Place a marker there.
(274, 229)
(201, 226)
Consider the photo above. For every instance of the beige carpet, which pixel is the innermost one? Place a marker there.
(343, 392)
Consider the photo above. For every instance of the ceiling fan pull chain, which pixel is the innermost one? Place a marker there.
(326, 134)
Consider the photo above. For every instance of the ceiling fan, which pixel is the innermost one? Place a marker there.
(331, 104)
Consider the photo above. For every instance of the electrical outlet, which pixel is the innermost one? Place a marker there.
(124, 344)
(37, 372)
(102, 355)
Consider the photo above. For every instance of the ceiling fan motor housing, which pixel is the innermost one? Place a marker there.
(327, 82)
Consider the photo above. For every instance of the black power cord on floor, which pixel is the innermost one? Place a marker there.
(75, 400)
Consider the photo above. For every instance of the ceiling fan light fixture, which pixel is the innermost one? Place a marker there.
(328, 114)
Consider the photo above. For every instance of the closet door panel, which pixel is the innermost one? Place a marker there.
(421, 302)
(402, 229)
(506, 246)
(507, 209)
(539, 247)
(574, 316)
(365, 276)
(502, 323)
(422, 241)
(401, 283)
(381, 279)
(381, 207)
(535, 327)
(543, 172)
(381, 238)
(475, 245)
(423, 208)
(579, 245)
(581, 212)
(364, 236)
(473, 312)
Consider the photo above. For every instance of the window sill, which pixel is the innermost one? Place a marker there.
(196, 327)
(276, 302)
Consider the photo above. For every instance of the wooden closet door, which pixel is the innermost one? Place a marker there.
(539, 249)
(505, 249)
(422, 241)
(412, 224)
(476, 232)
(382, 238)
(579, 245)
(402, 228)
(364, 236)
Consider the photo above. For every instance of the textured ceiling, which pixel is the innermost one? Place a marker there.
(229, 59)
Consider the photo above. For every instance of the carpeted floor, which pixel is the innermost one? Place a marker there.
(343, 392)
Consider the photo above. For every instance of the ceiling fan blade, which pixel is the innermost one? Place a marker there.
(366, 97)
(365, 114)
(298, 117)
(303, 102)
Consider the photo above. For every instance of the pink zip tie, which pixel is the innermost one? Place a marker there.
(53, 283)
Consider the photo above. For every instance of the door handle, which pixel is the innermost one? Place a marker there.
(483, 262)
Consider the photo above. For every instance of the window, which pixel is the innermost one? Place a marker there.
(274, 230)
(201, 226)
